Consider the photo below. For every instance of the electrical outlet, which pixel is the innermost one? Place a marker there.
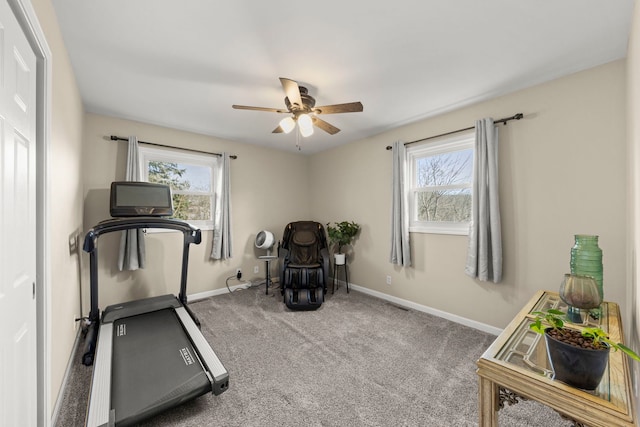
(256, 269)
(388, 280)
(73, 242)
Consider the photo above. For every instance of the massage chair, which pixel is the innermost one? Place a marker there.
(303, 261)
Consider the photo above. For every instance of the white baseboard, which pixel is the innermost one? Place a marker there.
(221, 291)
(399, 301)
(213, 293)
(430, 310)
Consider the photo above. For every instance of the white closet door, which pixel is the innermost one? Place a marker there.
(18, 368)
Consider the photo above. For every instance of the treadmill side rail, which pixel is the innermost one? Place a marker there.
(207, 355)
(140, 306)
(100, 403)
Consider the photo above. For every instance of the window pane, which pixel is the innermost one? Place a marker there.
(191, 208)
(450, 168)
(444, 205)
(181, 176)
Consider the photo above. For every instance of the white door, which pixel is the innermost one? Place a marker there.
(18, 362)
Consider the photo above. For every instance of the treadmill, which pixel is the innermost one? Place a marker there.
(148, 355)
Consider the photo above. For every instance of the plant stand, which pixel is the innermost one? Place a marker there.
(335, 274)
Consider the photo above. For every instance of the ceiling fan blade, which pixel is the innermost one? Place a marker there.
(349, 107)
(277, 130)
(271, 110)
(292, 91)
(327, 127)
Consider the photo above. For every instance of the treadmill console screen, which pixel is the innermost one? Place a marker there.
(130, 198)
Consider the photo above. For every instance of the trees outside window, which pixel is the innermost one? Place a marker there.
(440, 177)
(190, 177)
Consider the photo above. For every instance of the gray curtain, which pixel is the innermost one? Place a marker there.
(132, 249)
(400, 251)
(222, 243)
(484, 255)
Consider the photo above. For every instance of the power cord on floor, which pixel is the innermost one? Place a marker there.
(250, 284)
(237, 276)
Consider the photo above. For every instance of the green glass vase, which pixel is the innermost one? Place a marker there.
(586, 259)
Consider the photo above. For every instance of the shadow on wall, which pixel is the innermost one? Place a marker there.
(115, 285)
(96, 207)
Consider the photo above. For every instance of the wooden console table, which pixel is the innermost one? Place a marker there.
(516, 367)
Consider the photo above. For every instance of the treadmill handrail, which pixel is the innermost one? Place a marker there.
(190, 234)
(120, 224)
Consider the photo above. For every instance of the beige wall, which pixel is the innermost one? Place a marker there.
(562, 172)
(269, 189)
(66, 196)
(633, 138)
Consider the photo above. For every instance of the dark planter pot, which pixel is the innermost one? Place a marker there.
(579, 367)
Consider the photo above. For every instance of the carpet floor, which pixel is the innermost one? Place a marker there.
(356, 361)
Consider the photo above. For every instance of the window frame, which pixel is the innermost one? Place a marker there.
(150, 154)
(416, 152)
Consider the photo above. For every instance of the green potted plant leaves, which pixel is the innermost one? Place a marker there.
(578, 357)
(342, 234)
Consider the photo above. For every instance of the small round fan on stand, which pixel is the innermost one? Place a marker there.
(265, 240)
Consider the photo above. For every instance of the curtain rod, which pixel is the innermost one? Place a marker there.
(517, 116)
(119, 138)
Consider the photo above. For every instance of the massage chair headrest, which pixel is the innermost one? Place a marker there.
(304, 238)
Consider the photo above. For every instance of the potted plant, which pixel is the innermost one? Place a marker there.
(342, 234)
(578, 357)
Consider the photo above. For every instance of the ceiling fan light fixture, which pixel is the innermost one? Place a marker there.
(302, 109)
(306, 125)
(287, 124)
(306, 132)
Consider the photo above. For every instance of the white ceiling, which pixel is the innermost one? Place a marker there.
(182, 64)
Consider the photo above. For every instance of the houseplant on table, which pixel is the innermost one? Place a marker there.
(342, 234)
(578, 357)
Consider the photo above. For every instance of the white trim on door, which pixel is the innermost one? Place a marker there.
(28, 20)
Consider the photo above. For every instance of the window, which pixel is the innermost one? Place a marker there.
(191, 178)
(440, 177)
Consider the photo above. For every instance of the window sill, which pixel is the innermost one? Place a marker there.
(455, 230)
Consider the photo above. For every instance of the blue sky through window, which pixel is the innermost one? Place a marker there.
(198, 177)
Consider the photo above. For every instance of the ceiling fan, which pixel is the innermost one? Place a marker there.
(303, 111)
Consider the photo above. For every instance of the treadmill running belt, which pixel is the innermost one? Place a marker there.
(154, 366)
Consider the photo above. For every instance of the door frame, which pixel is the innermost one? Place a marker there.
(26, 16)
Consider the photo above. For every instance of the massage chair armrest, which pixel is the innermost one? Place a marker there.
(326, 264)
(283, 256)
